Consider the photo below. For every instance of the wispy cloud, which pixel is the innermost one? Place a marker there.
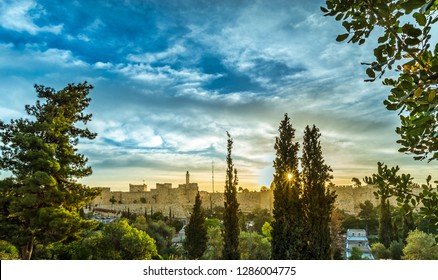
(168, 56)
(164, 75)
(21, 16)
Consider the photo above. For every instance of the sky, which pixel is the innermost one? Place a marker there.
(172, 77)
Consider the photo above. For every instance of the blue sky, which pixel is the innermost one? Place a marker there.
(171, 77)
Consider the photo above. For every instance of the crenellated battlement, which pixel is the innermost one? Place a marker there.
(179, 201)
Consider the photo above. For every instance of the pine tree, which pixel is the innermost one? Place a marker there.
(40, 202)
(231, 220)
(287, 227)
(319, 201)
(196, 231)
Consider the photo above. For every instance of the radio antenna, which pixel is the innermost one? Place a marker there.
(212, 175)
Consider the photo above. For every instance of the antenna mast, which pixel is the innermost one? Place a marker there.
(212, 175)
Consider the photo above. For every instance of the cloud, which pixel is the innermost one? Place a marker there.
(168, 56)
(171, 77)
(20, 16)
(103, 65)
(270, 61)
(34, 56)
(60, 57)
(166, 74)
(130, 134)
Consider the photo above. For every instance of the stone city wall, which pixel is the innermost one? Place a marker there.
(180, 200)
(349, 197)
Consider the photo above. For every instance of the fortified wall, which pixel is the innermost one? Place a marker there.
(179, 201)
(349, 197)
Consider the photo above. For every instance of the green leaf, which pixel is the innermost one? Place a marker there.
(412, 50)
(342, 37)
(370, 73)
(324, 10)
(411, 31)
(412, 41)
(346, 25)
(413, 202)
(383, 8)
(392, 107)
(421, 18)
(411, 5)
(421, 120)
(418, 92)
(432, 95)
(398, 93)
(382, 39)
(378, 53)
(416, 131)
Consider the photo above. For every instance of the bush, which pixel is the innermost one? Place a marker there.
(356, 254)
(396, 249)
(420, 246)
(8, 251)
(254, 246)
(379, 251)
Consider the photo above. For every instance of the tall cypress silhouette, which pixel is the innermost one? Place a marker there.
(288, 225)
(196, 231)
(231, 220)
(318, 200)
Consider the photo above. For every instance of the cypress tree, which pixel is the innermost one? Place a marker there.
(196, 231)
(231, 220)
(386, 230)
(319, 201)
(287, 227)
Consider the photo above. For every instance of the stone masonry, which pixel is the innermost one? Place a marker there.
(179, 201)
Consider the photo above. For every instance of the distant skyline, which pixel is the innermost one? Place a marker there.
(171, 77)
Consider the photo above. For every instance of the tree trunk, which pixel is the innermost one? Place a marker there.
(26, 250)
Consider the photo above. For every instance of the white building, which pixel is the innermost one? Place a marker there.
(357, 238)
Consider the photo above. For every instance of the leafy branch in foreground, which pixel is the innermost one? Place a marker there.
(401, 186)
(405, 46)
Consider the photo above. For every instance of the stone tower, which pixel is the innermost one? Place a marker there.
(187, 179)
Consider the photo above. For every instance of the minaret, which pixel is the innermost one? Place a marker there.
(187, 179)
